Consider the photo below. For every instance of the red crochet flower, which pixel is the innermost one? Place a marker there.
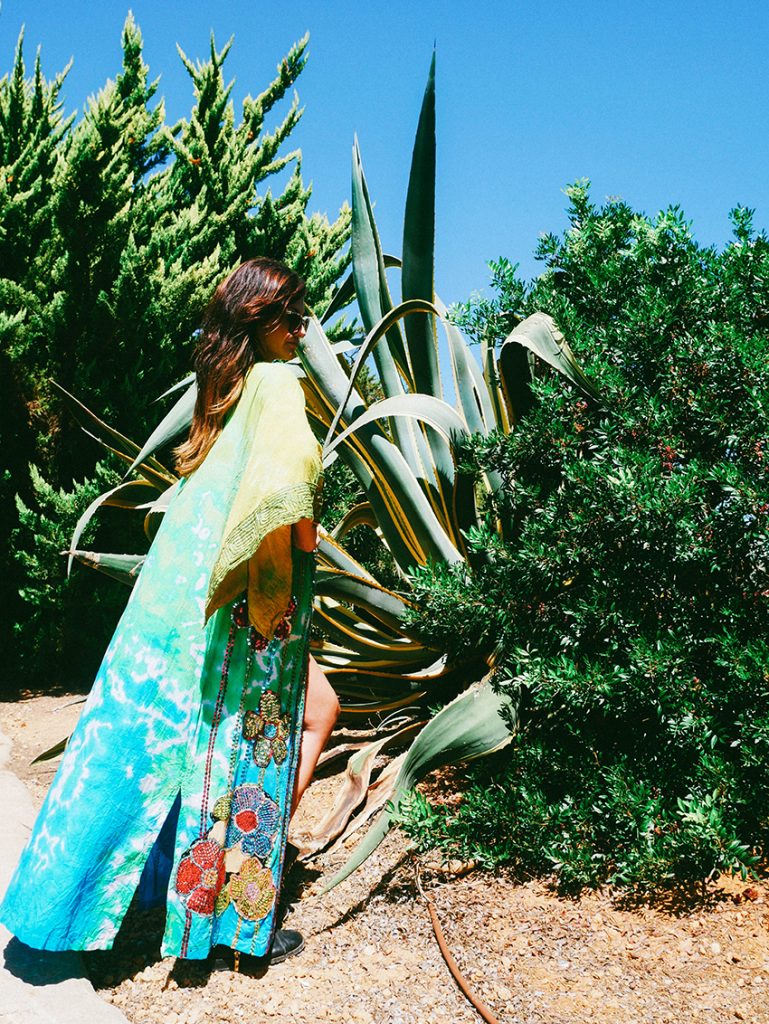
(201, 875)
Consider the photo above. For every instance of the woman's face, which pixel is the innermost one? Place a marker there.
(282, 339)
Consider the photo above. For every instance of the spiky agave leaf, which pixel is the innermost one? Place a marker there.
(540, 335)
(354, 789)
(131, 494)
(125, 568)
(113, 441)
(418, 247)
(469, 727)
(176, 422)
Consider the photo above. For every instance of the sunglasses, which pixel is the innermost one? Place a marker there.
(295, 322)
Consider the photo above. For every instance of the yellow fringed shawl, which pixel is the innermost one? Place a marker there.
(280, 474)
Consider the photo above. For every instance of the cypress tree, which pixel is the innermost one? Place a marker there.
(113, 231)
(31, 129)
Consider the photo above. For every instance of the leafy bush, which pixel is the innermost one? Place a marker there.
(629, 598)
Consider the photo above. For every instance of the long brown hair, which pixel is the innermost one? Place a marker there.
(252, 298)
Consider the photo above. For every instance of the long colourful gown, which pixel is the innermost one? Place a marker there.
(181, 770)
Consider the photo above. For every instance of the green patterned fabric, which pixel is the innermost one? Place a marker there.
(180, 773)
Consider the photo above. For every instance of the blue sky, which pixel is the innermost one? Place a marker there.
(656, 102)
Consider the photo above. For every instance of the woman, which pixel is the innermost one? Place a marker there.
(196, 741)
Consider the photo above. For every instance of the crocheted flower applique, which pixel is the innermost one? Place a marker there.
(252, 890)
(268, 729)
(200, 876)
(253, 820)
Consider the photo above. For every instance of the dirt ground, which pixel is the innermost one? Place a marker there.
(371, 956)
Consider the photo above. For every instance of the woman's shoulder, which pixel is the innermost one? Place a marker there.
(277, 373)
(272, 385)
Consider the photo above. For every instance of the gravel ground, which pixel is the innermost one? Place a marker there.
(371, 956)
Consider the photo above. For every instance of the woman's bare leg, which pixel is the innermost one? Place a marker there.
(321, 710)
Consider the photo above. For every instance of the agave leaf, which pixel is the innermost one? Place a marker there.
(379, 792)
(375, 302)
(351, 618)
(367, 660)
(160, 479)
(418, 247)
(540, 335)
(365, 654)
(358, 515)
(334, 555)
(378, 706)
(326, 380)
(481, 415)
(342, 297)
(345, 293)
(125, 568)
(384, 604)
(377, 332)
(359, 621)
(347, 629)
(371, 287)
(417, 282)
(158, 509)
(126, 495)
(335, 753)
(113, 440)
(469, 384)
(51, 752)
(394, 686)
(101, 429)
(340, 348)
(471, 726)
(186, 382)
(424, 408)
(175, 422)
(353, 789)
(516, 372)
(491, 376)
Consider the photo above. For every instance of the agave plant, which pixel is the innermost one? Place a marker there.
(401, 450)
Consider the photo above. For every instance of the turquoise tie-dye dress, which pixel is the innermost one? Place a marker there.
(200, 720)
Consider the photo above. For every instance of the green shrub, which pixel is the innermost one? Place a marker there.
(630, 601)
(65, 624)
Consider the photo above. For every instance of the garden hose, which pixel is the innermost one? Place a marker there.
(481, 1007)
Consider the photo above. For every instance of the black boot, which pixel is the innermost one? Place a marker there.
(285, 943)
